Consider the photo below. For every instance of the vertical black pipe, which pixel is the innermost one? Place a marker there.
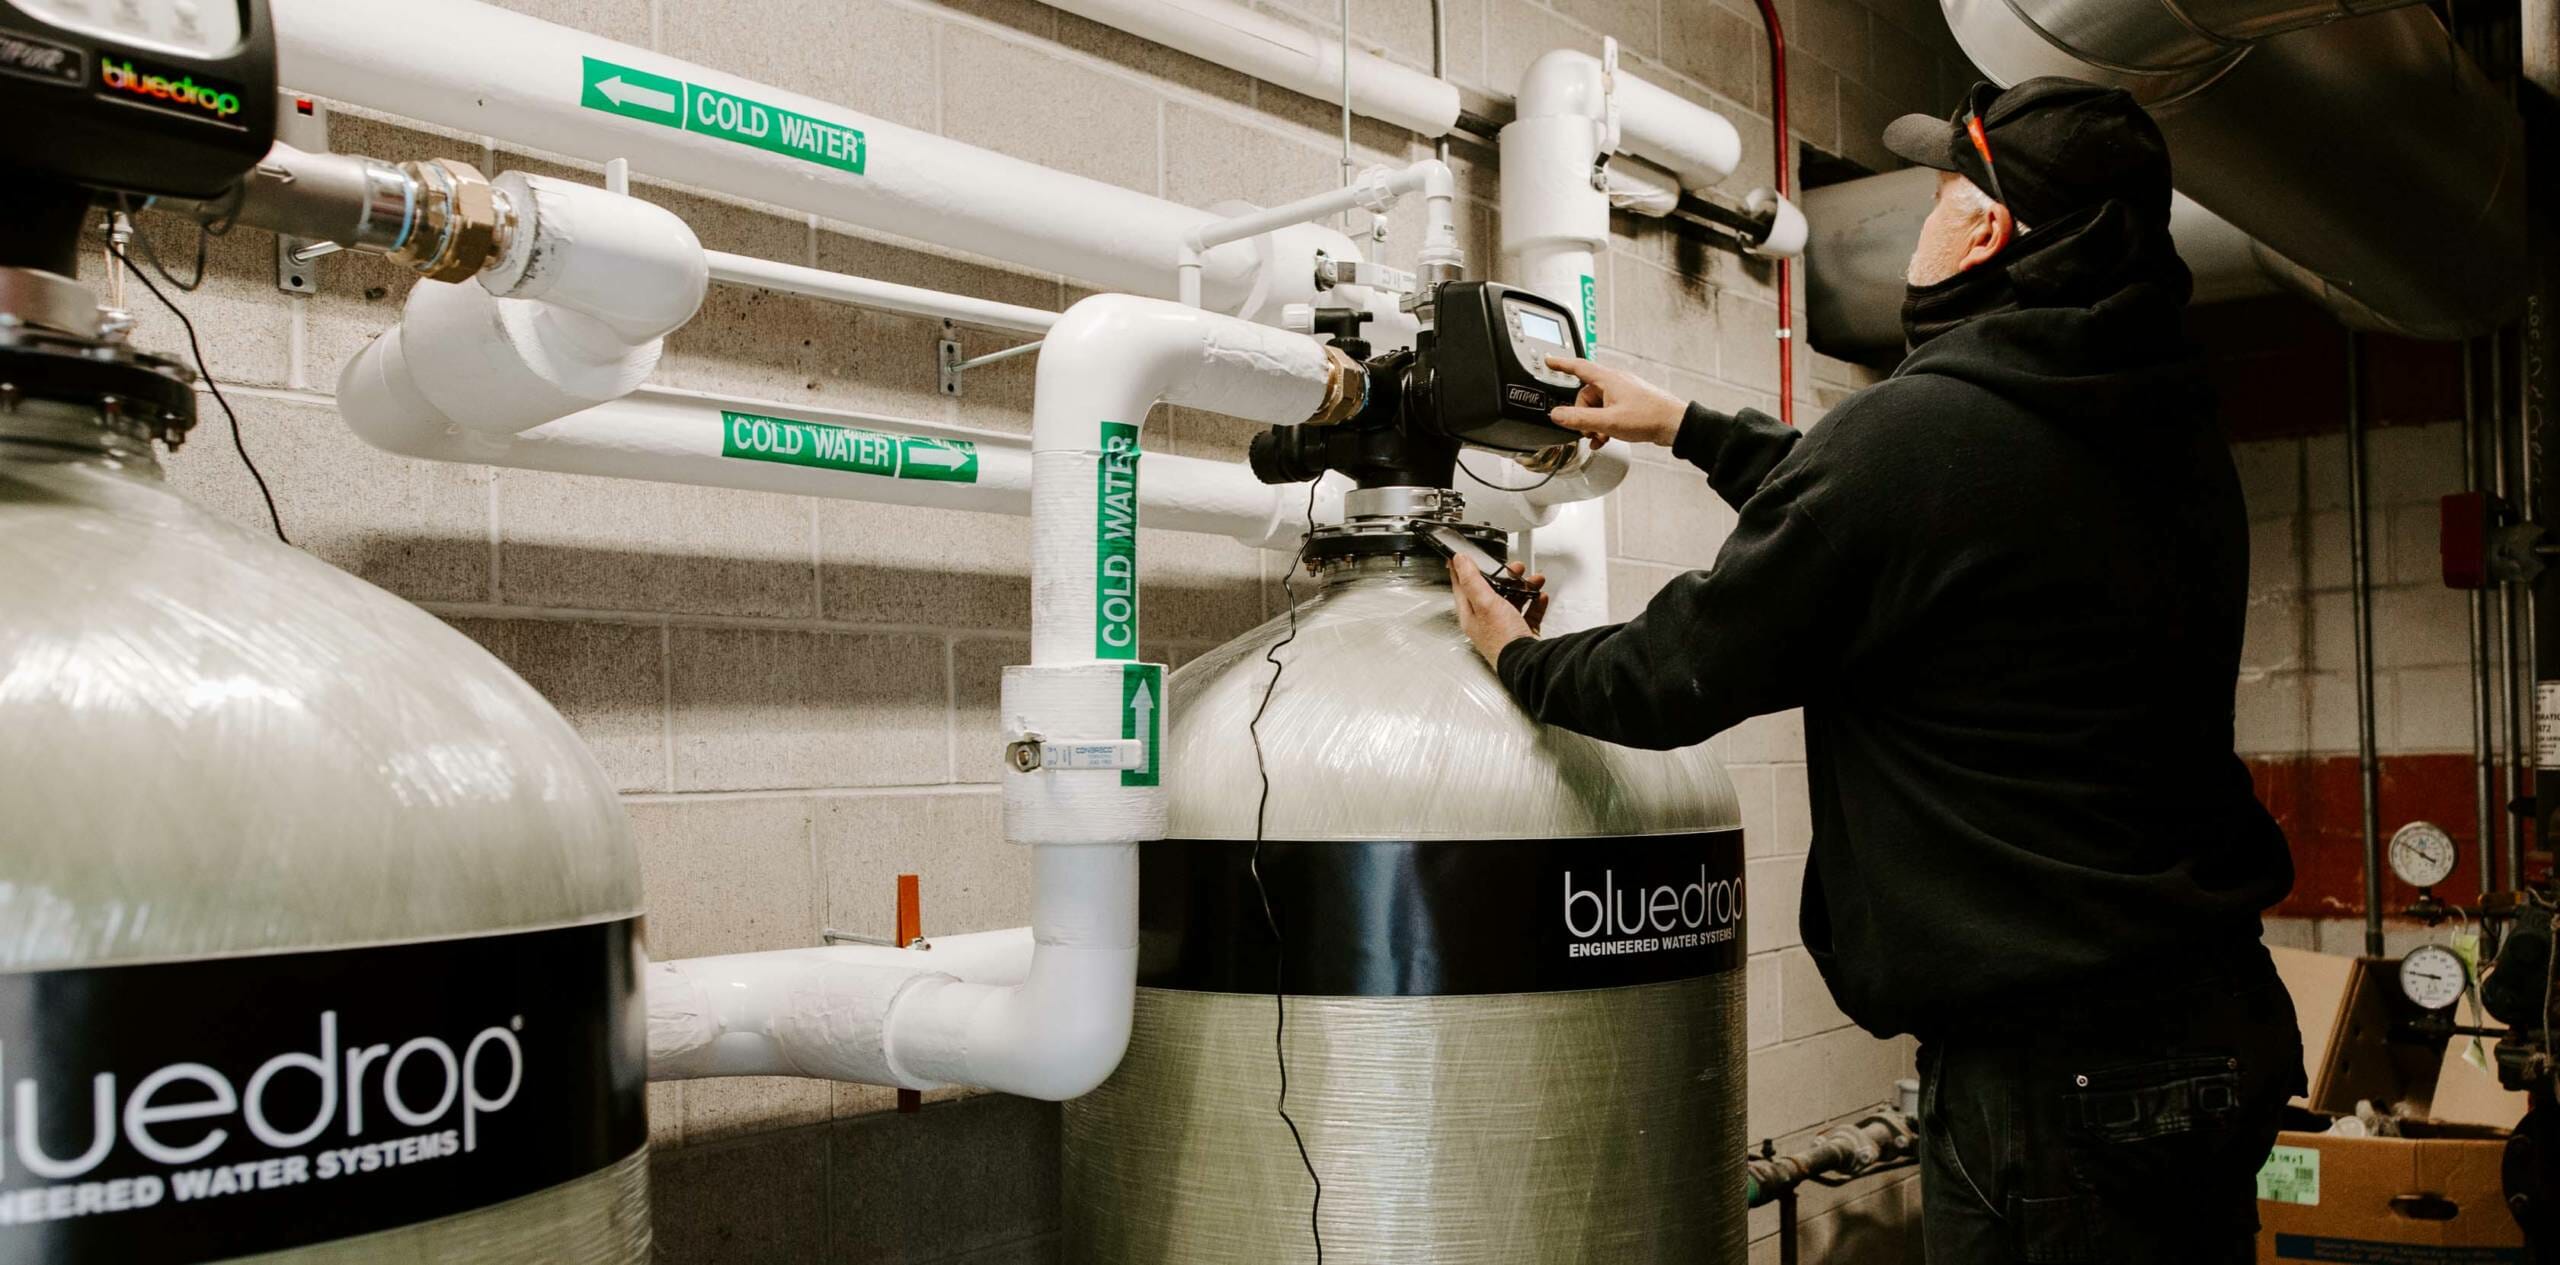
(2483, 746)
(2359, 562)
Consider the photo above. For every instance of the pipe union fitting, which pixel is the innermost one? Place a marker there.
(459, 229)
(1346, 389)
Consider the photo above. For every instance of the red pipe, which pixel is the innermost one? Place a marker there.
(1786, 267)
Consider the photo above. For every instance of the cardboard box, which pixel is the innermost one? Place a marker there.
(2430, 1198)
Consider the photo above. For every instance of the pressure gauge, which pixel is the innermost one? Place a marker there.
(2422, 854)
(2432, 976)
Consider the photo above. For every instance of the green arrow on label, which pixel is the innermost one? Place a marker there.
(823, 446)
(632, 93)
(1141, 686)
(691, 107)
(944, 460)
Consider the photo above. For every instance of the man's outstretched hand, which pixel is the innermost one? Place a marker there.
(1490, 621)
(1616, 404)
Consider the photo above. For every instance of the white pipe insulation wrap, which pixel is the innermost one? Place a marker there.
(1107, 363)
(1572, 551)
(575, 314)
(487, 71)
(1273, 51)
(1688, 140)
(1063, 1029)
(661, 435)
(816, 1012)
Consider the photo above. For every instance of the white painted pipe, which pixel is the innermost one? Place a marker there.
(1268, 49)
(781, 1013)
(887, 1017)
(487, 71)
(1572, 551)
(575, 314)
(1114, 358)
(884, 296)
(661, 435)
(1376, 191)
(1690, 141)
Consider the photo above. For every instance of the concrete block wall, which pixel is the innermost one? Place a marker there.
(797, 697)
(2296, 712)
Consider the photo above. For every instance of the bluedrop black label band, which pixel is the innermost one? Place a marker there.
(194, 1111)
(1384, 918)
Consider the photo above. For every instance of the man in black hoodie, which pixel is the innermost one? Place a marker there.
(2007, 587)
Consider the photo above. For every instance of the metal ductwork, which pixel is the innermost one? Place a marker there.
(1864, 230)
(2356, 141)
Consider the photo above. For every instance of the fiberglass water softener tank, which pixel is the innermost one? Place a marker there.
(1512, 955)
(317, 925)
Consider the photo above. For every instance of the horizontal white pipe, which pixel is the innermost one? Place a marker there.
(667, 436)
(885, 296)
(765, 1014)
(1273, 51)
(487, 71)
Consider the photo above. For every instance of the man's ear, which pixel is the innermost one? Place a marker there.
(1991, 234)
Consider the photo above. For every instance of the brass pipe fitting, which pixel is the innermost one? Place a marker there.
(460, 223)
(1346, 389)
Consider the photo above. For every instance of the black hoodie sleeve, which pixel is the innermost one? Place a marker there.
(1736, 450)
(1713, 648)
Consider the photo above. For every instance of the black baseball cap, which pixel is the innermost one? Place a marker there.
(2056, 146)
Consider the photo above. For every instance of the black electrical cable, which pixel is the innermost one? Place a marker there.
(1253, 864)
(205, 233)
(196, 346)
(1462, 469)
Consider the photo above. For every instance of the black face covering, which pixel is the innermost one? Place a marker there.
(2104, 254)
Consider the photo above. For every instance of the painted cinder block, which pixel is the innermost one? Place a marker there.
(759, 708)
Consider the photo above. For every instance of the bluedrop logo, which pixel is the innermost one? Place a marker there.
(1605, 916)
(124, 76)
(430, 1097)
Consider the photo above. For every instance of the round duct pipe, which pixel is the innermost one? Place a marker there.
(2362, 146)
(1864, 230)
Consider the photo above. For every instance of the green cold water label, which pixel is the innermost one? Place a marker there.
(691, 107)
(1141, 697)
(823, 446)
(1115, 546)
(1590, 317)
(2291, 1175)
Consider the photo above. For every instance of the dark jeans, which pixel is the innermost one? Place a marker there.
(2115, 1129)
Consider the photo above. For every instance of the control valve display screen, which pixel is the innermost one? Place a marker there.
(1542, 327)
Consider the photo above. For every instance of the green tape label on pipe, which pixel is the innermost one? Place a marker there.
(1141, 710)
(689, 107)
(755, 437)
(1590, 316)
(1115, 546)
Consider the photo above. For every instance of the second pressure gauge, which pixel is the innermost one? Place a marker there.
(2422, 854)
(2432, 976)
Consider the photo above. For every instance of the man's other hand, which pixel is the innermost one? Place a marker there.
(1615, 404)
(1490, 620)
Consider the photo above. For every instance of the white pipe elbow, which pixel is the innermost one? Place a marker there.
(1561, 81)
(573, 315)
(1055, 1037)
(1111, 357)
(1692, 142)
(628, 264)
